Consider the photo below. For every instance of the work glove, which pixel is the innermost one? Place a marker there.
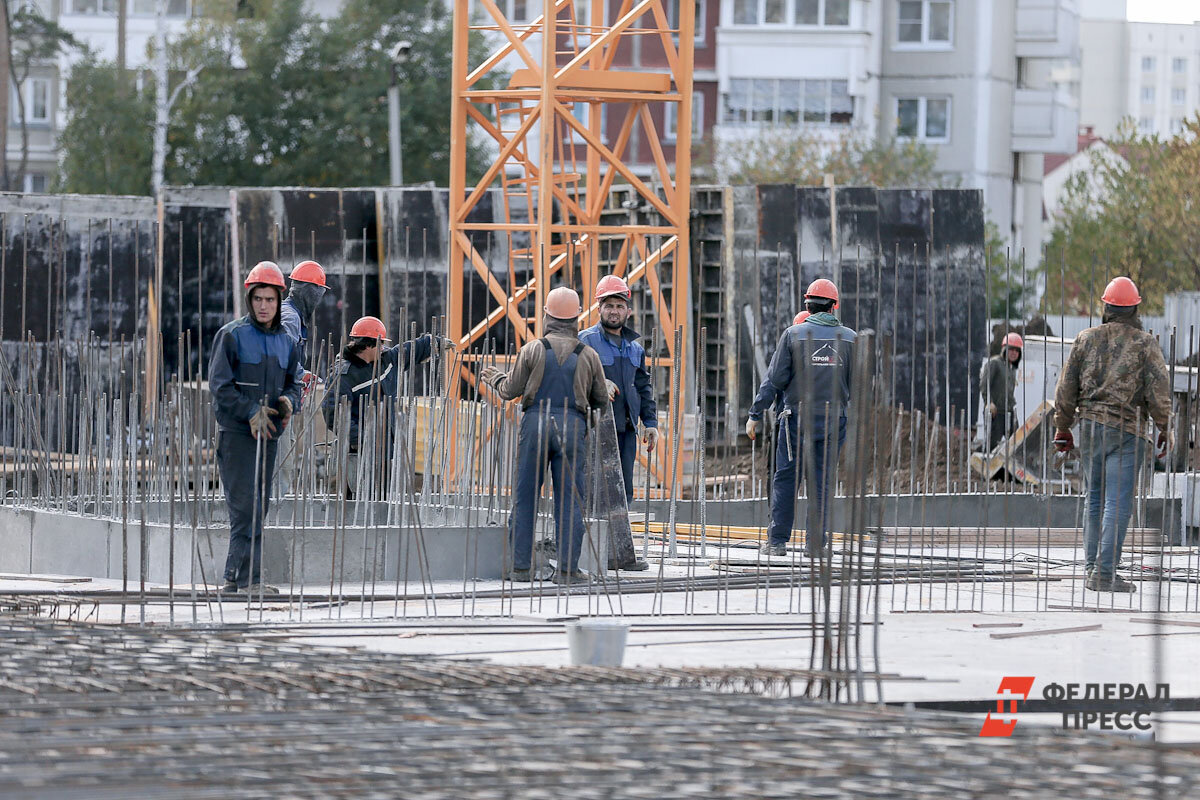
(492, 376)
(285, 411)
(1165, 440)
(613, 391)
(309, 380)
(650, 438)
(992, 409)
(752, 426)
(1064, 441)
(261, 426)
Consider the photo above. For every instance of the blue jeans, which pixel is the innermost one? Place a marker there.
(248, 497)
(561, 446)
(1111, 460)
(789, 448)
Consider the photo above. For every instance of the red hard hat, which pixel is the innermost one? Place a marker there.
(563, 303)
(610, 286)
(369, 328)
(803, 315)
(1121, 292)
(1014, 340)
(823, 289)
(267, 272)
(309, 272)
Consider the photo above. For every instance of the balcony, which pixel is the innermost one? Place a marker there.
(1044, 121)
(1047, 29)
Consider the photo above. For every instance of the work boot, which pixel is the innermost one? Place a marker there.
(519, 576)
(1092, 582)
(229, 587)
(568, 578)
(773, 549)
(1116, 584)
(261, 588)
(636, 565)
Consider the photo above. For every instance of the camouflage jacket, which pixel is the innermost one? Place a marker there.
(998, 383)
(1115, 375)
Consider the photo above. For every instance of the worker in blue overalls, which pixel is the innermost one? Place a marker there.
(254, 376)
(307, 289)
(559, 380)
(627, 380)
(811, 371)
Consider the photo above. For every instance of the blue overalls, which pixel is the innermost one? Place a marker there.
(551, 436)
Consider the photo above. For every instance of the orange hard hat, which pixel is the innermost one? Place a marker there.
(823, 289)
(1014, 340)
(611, 286)
(1121, 292)
(267, 272)
(803, 315)
(369, 328)
(309, 272)
(563, 303)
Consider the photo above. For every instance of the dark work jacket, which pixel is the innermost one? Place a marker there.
(249, 364)
(625, 365)
(354, 378)
(812, 364)
(296, 327)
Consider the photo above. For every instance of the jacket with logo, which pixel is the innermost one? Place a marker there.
(625, 365)
(812, 364)
(251, 364)
(378, 382)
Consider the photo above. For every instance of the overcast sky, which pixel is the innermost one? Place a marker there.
(1164, 10)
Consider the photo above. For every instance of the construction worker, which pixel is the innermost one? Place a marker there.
(559, 380)
(369, 373)
(811, 369)
(1114, 378)
(254, 376)
(307, 289)
(998, 388)
(625, 372)
(803, 315)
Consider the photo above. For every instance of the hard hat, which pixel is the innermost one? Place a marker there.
(1121, 292)
(611, 286)
(267, 272)
(369, 328)
(563, 303)
(823, 289)
(309, 272)
(803, 315)
(1014, 340)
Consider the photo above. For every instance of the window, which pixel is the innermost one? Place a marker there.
(1146, 125)
(90, 6)
(1147, 94)
(672, 118)
(35, 93)
(924, 118)
(1176, 125)
(699, 22)
(35, 183)
(822, 12)
(1179, 96)
(924, 23)
(1179, 66)
(788, 102)
(520, 10)
(1147, 63)
(148, 8)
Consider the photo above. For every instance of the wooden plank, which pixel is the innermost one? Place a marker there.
(1047, 631)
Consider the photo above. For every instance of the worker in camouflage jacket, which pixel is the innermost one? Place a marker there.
(1114, 379)
(998, 387)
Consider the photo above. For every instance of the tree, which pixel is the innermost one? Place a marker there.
(31, 39)
(1138, 215)
(789, 154)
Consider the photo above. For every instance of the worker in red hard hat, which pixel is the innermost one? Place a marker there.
(803, 315)
(998, 388)
(307, 289)
(811, 370)
(1115, 381)
(367, 375)
(254, 376)
(627, 379)
(560, 381)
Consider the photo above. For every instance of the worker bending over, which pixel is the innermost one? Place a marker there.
(367, 375)
(559, 380)
(811, 370)
(254, 376)
(998, 388)
(1114, 378)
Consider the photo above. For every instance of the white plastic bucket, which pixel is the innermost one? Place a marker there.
(597, 643)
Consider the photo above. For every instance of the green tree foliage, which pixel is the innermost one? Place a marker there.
(1136, 215)
(33, 39)
(284, 98)
(797, 155)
